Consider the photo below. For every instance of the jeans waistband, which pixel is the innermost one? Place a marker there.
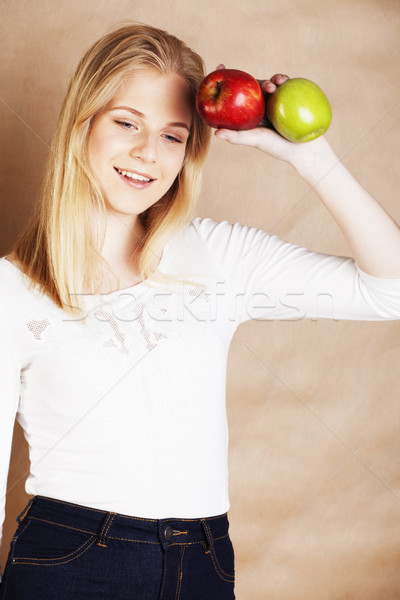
(111, 525)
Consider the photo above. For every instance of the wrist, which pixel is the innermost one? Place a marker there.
(314, 160)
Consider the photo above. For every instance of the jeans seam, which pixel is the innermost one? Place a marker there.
(217, 570)
(180, 575)
(3, 584)
(104, 530)
(91, 532)
(119, 538)
(62, 525)
(110, 537)
(164, 574)
(24, 560)
(93, 509)
(213, 555)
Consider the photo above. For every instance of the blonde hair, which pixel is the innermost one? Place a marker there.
(59, 247)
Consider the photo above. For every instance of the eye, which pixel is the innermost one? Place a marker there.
(171, 138)
(125, 125)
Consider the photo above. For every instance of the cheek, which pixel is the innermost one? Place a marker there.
(176, 162)
(94, 150)
(101, 145)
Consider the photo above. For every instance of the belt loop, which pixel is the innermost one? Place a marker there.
(19, 518)
(104, 530)
(208, 534)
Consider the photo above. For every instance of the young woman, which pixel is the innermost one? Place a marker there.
(117, 310)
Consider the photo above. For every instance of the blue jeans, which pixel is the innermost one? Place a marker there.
(63, 551)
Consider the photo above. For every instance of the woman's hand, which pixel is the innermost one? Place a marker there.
(266, 139)
(374, 238)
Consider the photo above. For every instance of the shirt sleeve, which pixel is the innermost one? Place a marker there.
(269, 278)
(9, 400)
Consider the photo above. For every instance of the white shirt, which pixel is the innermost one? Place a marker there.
(124, 410)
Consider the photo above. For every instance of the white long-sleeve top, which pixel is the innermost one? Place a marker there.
(124, 409)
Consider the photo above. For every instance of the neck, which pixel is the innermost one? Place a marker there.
(123, 237)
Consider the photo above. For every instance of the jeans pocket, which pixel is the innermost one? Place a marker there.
(47, 544)
(222, 556)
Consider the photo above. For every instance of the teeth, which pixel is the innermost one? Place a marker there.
(133, 175)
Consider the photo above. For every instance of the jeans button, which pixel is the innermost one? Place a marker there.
(168, 533)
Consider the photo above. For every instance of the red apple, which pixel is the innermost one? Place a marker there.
(231, 99)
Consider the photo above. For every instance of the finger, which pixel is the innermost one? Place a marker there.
(248, 137)
(221, 66)
(268, 86)
(279, 78)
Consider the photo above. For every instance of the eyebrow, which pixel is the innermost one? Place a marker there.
(142, 116)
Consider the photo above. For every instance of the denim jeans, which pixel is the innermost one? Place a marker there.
(64, 551)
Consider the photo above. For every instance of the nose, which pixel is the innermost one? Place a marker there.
(144, 148)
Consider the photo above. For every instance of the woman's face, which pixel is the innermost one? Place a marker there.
(137, 143)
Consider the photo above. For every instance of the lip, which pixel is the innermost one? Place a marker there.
(139, 185)
(136, 172)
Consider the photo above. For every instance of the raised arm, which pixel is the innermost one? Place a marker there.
(374, 238)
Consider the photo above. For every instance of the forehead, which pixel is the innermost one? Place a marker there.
(153, 93)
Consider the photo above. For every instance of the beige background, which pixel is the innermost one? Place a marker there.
(313, 405)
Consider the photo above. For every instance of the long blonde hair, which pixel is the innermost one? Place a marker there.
(59, 247)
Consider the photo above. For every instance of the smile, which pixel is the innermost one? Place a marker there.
(133, 179)
(133, 175)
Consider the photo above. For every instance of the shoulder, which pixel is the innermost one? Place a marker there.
(204, 223)
(11, 272)
(210, 229)
(227, 235)
(207, 225)
(17, 289)
(204, 232)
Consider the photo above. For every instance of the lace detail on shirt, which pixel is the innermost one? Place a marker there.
(119, 336)
(151, 337)
(129, 328)
(37, 327)
(202, 294)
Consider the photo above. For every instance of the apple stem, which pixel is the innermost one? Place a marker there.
(218, 88)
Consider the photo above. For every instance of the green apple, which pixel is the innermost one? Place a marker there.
(299, 110)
